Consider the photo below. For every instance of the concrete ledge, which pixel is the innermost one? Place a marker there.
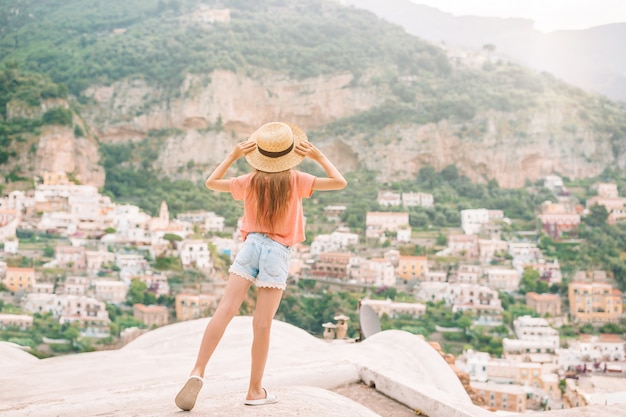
(143, 377)
(425, 403)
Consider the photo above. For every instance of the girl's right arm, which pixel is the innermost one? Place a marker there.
(216, 180)
(335, 180)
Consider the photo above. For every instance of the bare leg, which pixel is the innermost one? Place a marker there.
(236, 290)
(267, 303)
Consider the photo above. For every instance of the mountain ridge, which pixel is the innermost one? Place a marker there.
(367, 92)
(561, 52)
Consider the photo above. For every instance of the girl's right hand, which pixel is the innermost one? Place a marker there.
(243, 148)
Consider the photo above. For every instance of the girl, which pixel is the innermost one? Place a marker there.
(273, 221)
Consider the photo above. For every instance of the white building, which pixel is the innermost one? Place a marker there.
(393, 309)
(376, 272)
(379, 222)
(468, 274)
(131, 224)
(43, 288)
(11, 246)
(481, 301)
(18, 200)
(20, 321)
(96, 260)
(593, 390)
(89, 313)
(389, 198)
(91, 213)
(488, 249)
(209, 221)
(57, 221)
(334, 242)
(502, 279)
(110, 291)
(475, 364)
(195, 252)
(333, 213)
(404, 234)
(554, 183)
(131, 264)
(74, 285)
(534, 335)
(524, 252)
(417, 199)
(436, 276)
(9, 221)
(463, 245)
(605, 347)
(433, 291)
(473, 220)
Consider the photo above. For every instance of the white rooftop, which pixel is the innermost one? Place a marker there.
(142, 378)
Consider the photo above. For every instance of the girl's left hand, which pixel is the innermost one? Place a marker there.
(308, 150)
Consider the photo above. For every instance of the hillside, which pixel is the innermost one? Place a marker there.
(184, 80)
(589, 58)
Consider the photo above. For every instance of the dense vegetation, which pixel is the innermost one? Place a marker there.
(79, 43)
(27, 91)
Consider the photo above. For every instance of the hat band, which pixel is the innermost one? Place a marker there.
(274, 154)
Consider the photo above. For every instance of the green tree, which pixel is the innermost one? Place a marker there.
(58, 116)
(136, 292)
(597, 216)
(72, 333)
(48, 251)
(530, 277)
(587, 328)
(611, 328)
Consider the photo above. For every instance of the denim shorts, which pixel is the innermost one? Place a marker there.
(262, 261)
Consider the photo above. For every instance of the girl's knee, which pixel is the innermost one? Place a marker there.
(260, 323)
(226, 310)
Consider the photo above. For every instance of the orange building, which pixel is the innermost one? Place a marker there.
(151, 315)
(332, 265)
(412, 267)
(504, 397)
(19, 279)
(596, 302)
(194, 306)
(544, 303)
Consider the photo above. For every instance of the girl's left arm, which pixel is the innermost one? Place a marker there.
(335, 180)
(216, 180)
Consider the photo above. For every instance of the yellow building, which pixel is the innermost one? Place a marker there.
(19, 279)
(502, 396)
(505, 371)
(55, 178)
(596, 302)
(194, 306)
(412, 267)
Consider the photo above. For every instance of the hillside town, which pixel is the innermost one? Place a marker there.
(98, 259)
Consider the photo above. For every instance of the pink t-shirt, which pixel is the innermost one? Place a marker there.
(288, 230)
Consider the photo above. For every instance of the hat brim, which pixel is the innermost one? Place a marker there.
(282, 163)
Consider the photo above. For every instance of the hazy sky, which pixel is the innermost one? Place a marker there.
(548, 15)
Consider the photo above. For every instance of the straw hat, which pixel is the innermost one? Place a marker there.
(275, 147)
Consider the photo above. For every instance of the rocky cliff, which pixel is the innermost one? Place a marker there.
(59, 150)
(211, 113)
(52, 147)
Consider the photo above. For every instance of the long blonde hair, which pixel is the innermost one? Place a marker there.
(272, 191)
